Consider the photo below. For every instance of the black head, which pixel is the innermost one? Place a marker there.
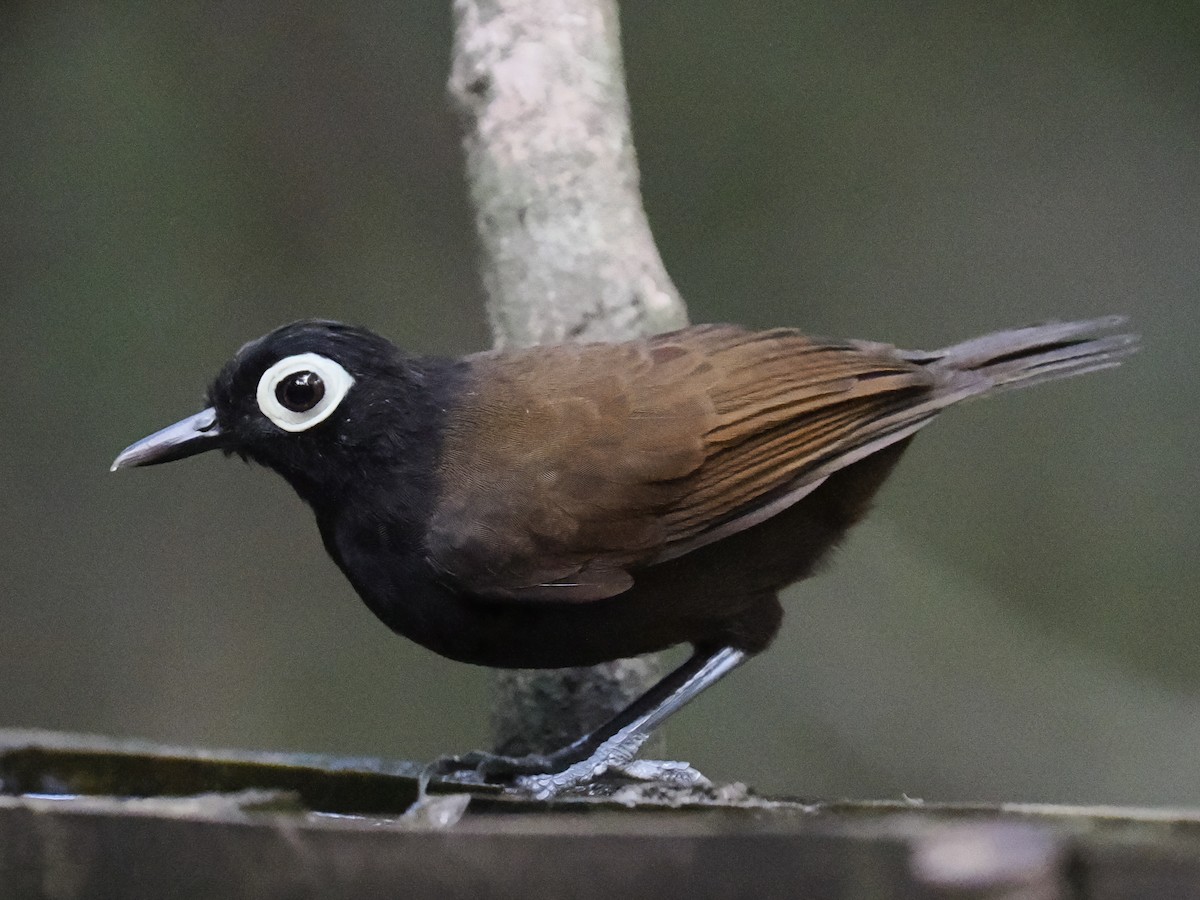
(320, 402)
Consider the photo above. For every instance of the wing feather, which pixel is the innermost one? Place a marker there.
(565, 468)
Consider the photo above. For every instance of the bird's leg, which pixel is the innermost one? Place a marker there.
(612, 745)
(615, 744)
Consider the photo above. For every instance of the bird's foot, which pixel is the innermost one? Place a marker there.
(544, 777)
(482, 767)
(590, 778)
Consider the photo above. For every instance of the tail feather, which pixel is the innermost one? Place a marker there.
(1024, 357)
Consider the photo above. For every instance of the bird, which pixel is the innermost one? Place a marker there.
(565, 505)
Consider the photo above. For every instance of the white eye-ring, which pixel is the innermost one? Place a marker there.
(302, 391)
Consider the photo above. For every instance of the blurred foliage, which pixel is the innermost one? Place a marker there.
(1019, 618)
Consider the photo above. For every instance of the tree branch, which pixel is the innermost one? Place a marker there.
(567, 251)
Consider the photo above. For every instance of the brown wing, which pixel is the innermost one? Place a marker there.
(565, 467)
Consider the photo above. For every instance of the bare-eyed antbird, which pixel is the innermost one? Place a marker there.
(566, 505)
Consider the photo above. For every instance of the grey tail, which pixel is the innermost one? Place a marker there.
(1024, 357)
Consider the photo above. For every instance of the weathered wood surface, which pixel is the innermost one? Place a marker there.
(83, 817)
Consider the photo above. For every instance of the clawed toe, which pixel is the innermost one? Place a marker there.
(463, 767)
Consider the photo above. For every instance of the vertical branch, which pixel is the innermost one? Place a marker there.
(567, 251)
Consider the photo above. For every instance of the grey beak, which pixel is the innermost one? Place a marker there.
(193, 435)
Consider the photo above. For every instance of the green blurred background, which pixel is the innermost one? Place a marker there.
(1017, 621)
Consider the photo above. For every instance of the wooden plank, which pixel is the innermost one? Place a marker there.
(69, 853)
(86, 817)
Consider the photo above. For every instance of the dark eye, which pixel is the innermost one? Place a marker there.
(300, 391)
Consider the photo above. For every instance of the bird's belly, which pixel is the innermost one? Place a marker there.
(516, 635)
(657, 613)
(723, 594)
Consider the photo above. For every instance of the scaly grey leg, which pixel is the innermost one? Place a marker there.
(615, 744)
